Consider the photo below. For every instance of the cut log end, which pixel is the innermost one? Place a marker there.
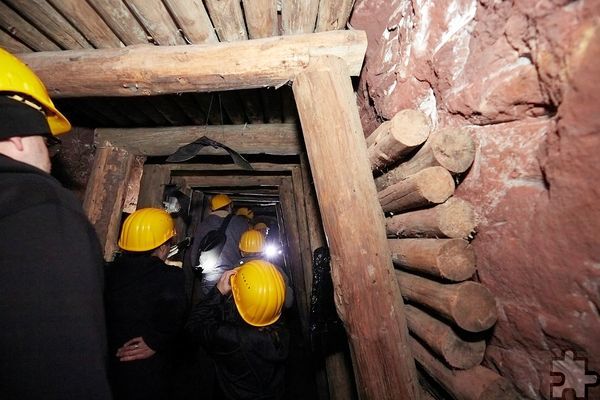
(463, 354)
(458, 258)
(454, 149)
(436, 184)
(457, 218)
(410, 127)
(475, 308)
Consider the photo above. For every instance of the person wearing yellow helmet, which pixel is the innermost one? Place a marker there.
(145, 305)
(252, 247)
(53, 335)
(245, 212)
(233, 226)
(240, 325)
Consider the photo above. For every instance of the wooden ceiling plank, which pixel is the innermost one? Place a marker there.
(298, 16)
(252, 106)
(183, 168)
(11, 44)
(123, 23)
(170, 111)
(190, 108)
(333, 14)
(147, 70)
(23, 30)
(276, 139)
(155, 17)
(89, 23)
(233, 180)
(261, 18)
(271, 104)
(231, 103)
(192, 18)
(209, 105)
(228, 19)
(45, 17)
(151, 112)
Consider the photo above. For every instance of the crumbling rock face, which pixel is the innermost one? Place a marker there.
(523, 77)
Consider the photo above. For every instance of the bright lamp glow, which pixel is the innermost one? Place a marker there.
(271, 251)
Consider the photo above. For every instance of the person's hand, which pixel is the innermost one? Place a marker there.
(135, 349)
(224, 284)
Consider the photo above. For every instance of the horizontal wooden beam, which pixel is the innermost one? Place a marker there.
(151, 70)
(276, 139)
(183, 169)
(231, 180)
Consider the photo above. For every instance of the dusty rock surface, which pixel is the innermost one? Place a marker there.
(523, 77)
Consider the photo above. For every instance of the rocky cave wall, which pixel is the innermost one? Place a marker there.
(524, 78)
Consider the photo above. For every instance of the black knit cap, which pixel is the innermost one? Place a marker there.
(19, 119)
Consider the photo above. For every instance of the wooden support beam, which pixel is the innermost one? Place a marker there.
(333, 14)
(147, 70)
(432, 185)
(152, 186)
(298, 16)
(88, 22)
(194, 169)
(470, 305)
(228, 19)
(451, 148)
(121, 20)
(261, 18)
(193, 19)
(105, 194)
(478, 383)
(42, 14)
(132, 192)
(313, 217)
(354, 224)
(395, 138)
(233, 180)
(280, 139)
(452, 259)
(443, 340)
(453, 219)
(301, 217)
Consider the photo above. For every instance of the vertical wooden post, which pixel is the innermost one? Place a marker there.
(154, 179)
(105, 193)
(367, 295)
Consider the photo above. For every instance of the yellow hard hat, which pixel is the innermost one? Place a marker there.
(252, 241)
(246, 212)
(146, 229)
(18, 79)
(258, 292)
(261, 226)
(219, 201)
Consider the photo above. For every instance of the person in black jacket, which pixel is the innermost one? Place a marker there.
(145, 306)
(53, 337)
(239, 325)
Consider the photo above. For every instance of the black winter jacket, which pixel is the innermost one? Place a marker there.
(144, 297)
(53, 338)
(249, 360)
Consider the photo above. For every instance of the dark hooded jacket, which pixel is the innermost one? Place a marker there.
(144, 297)
(53, 337)
(249, 361)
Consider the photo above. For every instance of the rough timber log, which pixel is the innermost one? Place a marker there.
(458, 353)
(469, 305)
(151, 70)
(478, 383)
(354, 225)
(429, 186)
(450, 148)
(452, 259)
(280, 139)
(395, 138)
(453, 219)
(105, 194)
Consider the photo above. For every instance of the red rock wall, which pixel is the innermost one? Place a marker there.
(524, 76)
